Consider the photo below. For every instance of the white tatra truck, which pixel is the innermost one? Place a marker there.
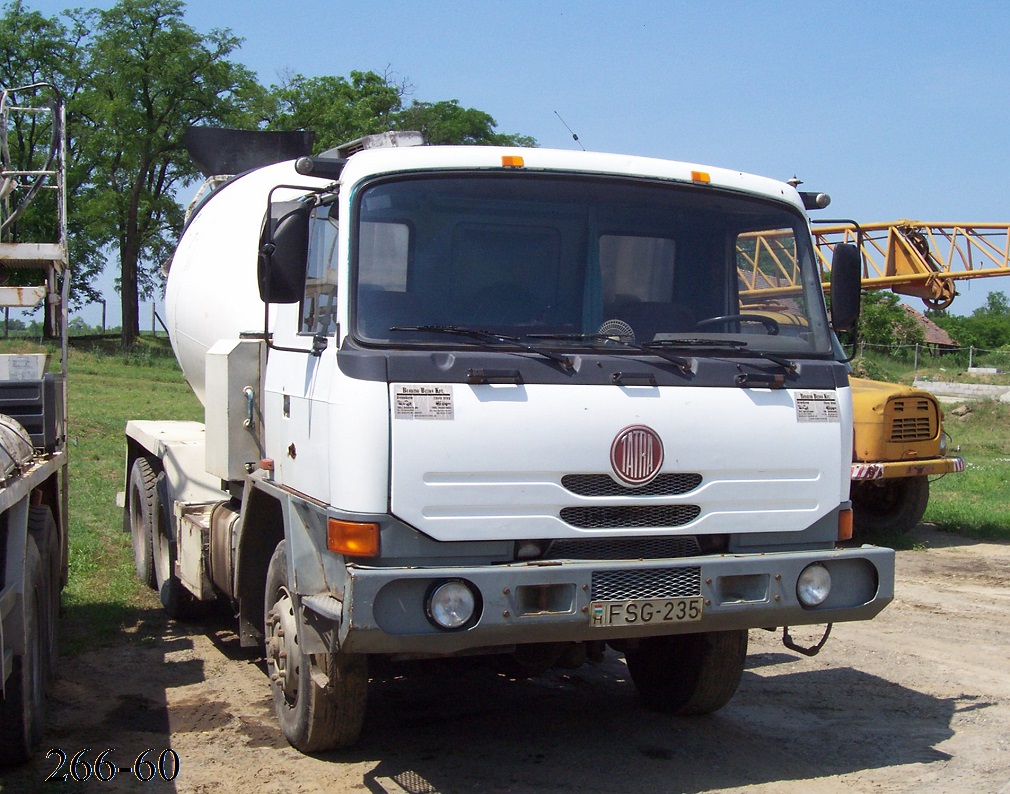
(524, 402)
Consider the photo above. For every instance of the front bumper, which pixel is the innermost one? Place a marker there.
(384, 609)
(906, 468)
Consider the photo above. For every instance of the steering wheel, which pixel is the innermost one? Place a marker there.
(770, 323)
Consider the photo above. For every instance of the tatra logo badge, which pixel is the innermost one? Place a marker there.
(637, 454)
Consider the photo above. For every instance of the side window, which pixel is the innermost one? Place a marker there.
(319, 306)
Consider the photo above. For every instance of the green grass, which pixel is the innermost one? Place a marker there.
(951, 367)
(878, 367)
(104, 599)
(976, 502)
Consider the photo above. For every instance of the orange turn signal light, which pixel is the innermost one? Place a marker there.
(352, 539)
(512, 161)
(845, 524)
(701, 176)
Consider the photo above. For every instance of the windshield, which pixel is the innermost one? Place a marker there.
(575, 261)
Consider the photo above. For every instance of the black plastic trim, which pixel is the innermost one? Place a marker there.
(460, 365)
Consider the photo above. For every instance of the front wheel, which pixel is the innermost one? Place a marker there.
(892, 505)
(688, 673)
(319, 699)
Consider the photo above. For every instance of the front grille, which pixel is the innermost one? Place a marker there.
(608, 517)
(670, 484)
(646, 583)
(624, 549)
(917, 429)
(913, 420)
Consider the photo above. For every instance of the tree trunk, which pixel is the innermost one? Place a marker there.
(129, 259)
(129, 254)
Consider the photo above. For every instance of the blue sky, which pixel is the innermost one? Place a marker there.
(898, 110)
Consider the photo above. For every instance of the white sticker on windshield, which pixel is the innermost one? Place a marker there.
(816, 406)
(424, 402)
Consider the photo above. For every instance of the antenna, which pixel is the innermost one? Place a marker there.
(574, 136)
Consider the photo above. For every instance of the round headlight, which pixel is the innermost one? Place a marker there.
(944, 443)
(814, 585)
(451, 605)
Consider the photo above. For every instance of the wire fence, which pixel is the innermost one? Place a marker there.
(923, 356)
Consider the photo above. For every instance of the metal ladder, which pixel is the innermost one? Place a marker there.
(40, 108)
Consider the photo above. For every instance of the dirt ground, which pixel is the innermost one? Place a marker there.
(916, 700)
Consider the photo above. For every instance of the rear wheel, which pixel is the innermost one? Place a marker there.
(23, 706)
(142, 517)
(42, 527)
(892, 505)
(688, 673)
(319, 699)
(177, 601)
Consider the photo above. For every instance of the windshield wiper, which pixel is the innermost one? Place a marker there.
(488, 336)
(680, 361)
(713, 344)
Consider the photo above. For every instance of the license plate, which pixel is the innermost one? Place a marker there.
(644, 611)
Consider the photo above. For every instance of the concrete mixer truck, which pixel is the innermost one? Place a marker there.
(507, 402)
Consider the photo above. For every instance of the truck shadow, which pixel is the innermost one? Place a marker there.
(112, 699)
(451, 727)
(462, 725)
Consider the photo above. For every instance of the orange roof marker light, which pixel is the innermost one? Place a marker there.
(512, 161)
(700, 176)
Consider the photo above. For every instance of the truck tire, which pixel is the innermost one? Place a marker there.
(893, 505)
(23, 707)
(688, 673)
(42, 527)
(313, 715)
(176, 600)
(142, 517)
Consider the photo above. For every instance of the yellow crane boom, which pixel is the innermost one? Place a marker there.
(912, 258)
(920, 259)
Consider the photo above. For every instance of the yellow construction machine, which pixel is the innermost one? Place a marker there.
(899, 437)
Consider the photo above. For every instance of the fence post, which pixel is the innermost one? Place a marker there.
(915, 366)
(971, 356)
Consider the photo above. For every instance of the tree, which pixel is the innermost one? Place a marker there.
(151, 76)
(340, 110)
(988, 327)
(883, 322)
(448, 122)
(336, 109)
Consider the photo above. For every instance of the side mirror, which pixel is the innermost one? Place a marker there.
(846, 285)
(283, 252)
